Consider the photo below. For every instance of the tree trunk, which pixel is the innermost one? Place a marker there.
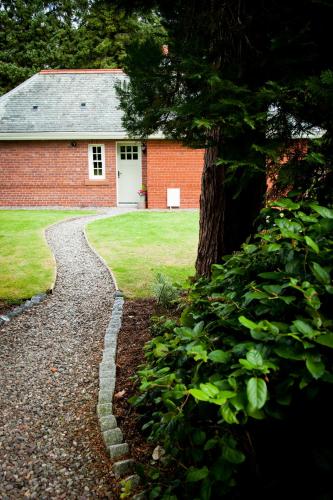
(226, 218)
(242, 211)
(211, 226)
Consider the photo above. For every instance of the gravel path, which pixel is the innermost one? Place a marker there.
(50, 445)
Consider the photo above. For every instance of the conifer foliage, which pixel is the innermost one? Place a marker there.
(243, 80)
(41, 34)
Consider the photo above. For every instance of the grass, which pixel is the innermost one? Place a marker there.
(138, 245)
(26, 263)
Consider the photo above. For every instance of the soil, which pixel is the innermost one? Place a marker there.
(132, 337)
(5, 307)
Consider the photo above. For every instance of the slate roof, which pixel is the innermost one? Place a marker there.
(64, 102)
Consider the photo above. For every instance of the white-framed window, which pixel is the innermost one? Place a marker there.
(129, 152)
(96, 155)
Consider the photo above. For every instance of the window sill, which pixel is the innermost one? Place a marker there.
(97, 182)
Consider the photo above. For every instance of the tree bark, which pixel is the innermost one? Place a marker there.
(226, 218)
(212, 206)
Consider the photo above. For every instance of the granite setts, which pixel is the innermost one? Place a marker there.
(36, 299)
(112, 435)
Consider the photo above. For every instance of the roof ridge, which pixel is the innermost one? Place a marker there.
(3, 97)
(97, 70)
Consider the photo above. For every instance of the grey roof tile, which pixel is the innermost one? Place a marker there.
(59, 97)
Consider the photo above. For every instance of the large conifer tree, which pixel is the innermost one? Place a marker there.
(38, 34)
(241, 79)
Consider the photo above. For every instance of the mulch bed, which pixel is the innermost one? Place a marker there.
(132, 337)
(5, 307)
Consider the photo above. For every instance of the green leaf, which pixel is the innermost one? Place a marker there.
(249, 248)
(255, 413)
(249, 122)
(199, 437)
(209, 389)
(232, 455)
(306, 218)
(315, 365)
(326, 340)
(327, 213)
(320, 273)
(200, 395)
(160, 350)
(273, 247)
(309, 241)
(286, 203)
(246, 364)
(255, 358)
(272, 275)
(197, 330)
(203, 123)
(273, 289)
(205, 490)
(219, 356)
(211, 443)
(255, 295)
(256, 391)
(311, 296)
(288, 228)
(288, 352)
(198, 352)
(247, 322)
(196, 474)
(229, 415)
(303, 327)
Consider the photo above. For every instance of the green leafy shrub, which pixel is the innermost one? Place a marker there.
(164, 291)
(238, 391)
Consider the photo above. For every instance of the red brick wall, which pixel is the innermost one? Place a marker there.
(53, 173)
(171, 165)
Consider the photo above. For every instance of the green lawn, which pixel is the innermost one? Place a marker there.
(26, 263)
(138, 245)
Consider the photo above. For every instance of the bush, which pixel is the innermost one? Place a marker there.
(238, 391)
(164, 291)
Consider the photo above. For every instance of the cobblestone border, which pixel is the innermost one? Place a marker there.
(123, 467)
(36, 299)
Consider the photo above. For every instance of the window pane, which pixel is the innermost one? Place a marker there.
(96, 163)
(123, 156)
(135, 156)
(129, 156)
(135, 149)
(129, 148)
(122, 149)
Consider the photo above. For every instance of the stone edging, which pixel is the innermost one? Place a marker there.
(36, 299)
(123, 467)
(112, 435)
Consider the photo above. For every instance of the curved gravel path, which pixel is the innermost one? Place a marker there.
(50, 444)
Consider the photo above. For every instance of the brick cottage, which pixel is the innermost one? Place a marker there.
(62, 143)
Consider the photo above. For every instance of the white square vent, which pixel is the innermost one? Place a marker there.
(173, 197)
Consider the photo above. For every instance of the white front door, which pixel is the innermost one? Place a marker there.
(129, 171)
